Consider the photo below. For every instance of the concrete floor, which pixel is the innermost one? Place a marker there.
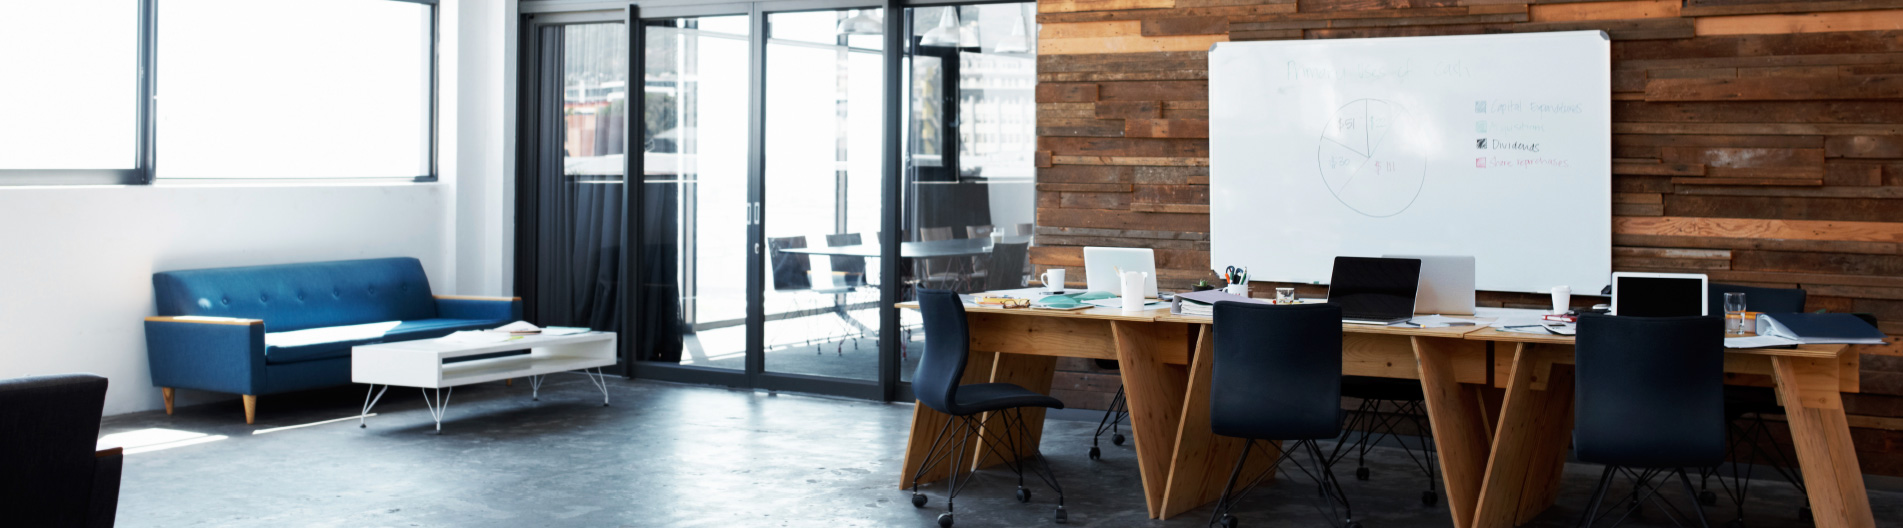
(676, 455)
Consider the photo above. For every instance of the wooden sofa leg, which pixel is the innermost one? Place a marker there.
(167, 392)
(250, 409)
(508, 382)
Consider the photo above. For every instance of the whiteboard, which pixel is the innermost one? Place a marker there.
(1494, 146)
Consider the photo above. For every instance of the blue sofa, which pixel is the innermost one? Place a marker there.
(210, 331)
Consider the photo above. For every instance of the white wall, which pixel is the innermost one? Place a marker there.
(76, 263)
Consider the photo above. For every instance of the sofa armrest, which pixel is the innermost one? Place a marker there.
(473, 307)
(103, 508)
(213, 354)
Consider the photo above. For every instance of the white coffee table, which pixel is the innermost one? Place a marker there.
(438, 364)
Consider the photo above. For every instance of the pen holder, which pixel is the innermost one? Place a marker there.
(1237, 289)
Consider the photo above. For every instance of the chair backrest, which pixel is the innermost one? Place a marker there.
(1756, 299)
(1277, 371)
(853, 267)
(299, 296)
(51, 428)
(791, 271)
(947, 348)
(1650, 391)
(935, 233)
(1006, 268)
(978, 231)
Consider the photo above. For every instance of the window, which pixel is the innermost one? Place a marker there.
(277, 89)
(79, 115)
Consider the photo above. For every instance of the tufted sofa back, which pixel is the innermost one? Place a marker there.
(299, 296)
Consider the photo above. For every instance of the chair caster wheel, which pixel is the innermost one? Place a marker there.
(1352, 524)
(1428, 498)
(363, 426)
(1228, 521)
(918, 500)
(1117, 439)
(1024, 495)
(1095, 453)
(945, 519)
(1361, 473)
(1707, 498)
(1062, 518)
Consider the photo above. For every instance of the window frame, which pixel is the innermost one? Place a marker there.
(144, 171)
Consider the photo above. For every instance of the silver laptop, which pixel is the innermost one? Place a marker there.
(1447, 284)
(1101, 265)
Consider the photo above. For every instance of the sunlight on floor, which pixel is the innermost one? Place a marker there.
(155, 439)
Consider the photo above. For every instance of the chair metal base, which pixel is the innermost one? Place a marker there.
(1644, 489)
(1322, 475)
(1375, 425)
(1112, 417)
(1750, 437)
(953, 446)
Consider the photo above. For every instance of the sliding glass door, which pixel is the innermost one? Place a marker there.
(695, 207)
(801, 166)
(824, 101)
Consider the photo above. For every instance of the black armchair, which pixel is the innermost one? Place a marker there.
(51, 473)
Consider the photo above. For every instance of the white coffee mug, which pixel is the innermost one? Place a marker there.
(1562, 298)
(1052, 279)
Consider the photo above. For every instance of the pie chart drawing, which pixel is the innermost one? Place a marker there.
(1363, 159)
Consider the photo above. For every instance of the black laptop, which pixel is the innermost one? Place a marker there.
(1374, 291)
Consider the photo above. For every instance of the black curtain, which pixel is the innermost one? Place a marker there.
(662, 328)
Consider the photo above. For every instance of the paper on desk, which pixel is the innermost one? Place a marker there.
(329, 334)
(564, 330)
(1761, 341)
(1438, 321)
(517, 327)
(477, 337)
(1117, 302)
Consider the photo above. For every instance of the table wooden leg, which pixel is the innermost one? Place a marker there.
(1529, 442)
(1202, 461)
(1031, 372)
(927, 424)
(1460, 434)
(1808, 388)
(1154, 391)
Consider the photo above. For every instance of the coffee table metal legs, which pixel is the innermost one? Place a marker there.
(438, 407)
(601, 382)
(535, 388)
(369, 402)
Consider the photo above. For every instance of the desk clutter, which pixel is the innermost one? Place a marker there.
(1666, 327)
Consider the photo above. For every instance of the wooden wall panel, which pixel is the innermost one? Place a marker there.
(1759, 141)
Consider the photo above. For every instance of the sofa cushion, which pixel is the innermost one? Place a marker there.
(301, 296)
(405, 331)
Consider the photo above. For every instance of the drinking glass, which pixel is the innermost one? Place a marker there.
(1734, 312)
(1285, 296)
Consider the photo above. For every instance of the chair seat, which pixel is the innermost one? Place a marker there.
(987, 397)
(1371, 388)
(406, 331)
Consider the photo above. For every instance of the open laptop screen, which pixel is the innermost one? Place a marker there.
(1659, 296)
(1374, 288)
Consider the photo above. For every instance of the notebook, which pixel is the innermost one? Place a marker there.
(1819, 328)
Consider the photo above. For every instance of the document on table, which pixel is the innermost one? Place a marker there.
(564, 330)
(1117, 302)
(1760, 341)
(1436, 321)
(478, 337)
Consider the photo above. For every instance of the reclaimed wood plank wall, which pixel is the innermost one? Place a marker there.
(1760, 142)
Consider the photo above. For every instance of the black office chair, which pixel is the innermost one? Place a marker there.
(947, 341)
(1277, 376)
(1755, 402)
(1004, 262)
(1649, 402)
(1385, 404)
(1113, 416)
(51, 473)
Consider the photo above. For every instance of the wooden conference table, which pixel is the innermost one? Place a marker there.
(1500, 403)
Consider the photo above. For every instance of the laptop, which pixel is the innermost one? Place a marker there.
(1376, 291)
(1660, 294)
(1447, 285)
(1102, 263)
